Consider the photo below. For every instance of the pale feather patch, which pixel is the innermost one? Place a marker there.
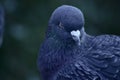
(76, 36)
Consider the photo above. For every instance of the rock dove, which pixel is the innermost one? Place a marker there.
(69, 53)
(1, 24)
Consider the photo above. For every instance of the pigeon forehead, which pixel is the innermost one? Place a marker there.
(67, 13)
(67, 9)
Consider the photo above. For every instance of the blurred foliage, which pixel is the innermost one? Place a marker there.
(25, 26)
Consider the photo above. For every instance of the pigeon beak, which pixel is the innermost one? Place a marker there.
(76, 36)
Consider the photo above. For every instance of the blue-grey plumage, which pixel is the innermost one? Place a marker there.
(1, 24)
(68, 53)
(100, 61)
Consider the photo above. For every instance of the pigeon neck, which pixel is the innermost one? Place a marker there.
(83, 35)
(85, 38)
(54, 61)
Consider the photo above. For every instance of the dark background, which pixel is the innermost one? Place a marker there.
(25, 26)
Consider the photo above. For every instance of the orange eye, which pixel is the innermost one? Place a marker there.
(61, 25)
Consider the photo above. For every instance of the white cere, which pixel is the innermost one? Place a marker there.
(76, 36)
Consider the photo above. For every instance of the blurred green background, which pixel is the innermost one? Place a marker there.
(25, 26)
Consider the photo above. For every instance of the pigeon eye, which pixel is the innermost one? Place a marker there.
(61, 25)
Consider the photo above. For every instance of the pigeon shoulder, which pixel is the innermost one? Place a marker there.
(101, 62)
(107, 40)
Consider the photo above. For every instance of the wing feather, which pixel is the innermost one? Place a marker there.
(101, 62)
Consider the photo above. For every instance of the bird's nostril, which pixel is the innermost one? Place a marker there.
(75, 33)
(76, 36)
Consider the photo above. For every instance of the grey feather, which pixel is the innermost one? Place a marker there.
(60, 58)
(100, 62)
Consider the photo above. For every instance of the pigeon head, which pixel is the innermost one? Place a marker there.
(67, 24)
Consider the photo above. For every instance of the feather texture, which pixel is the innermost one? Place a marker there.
(60, 58)
(100, 62)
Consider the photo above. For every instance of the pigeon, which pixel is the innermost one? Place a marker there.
(69, 53)
(1, 24)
